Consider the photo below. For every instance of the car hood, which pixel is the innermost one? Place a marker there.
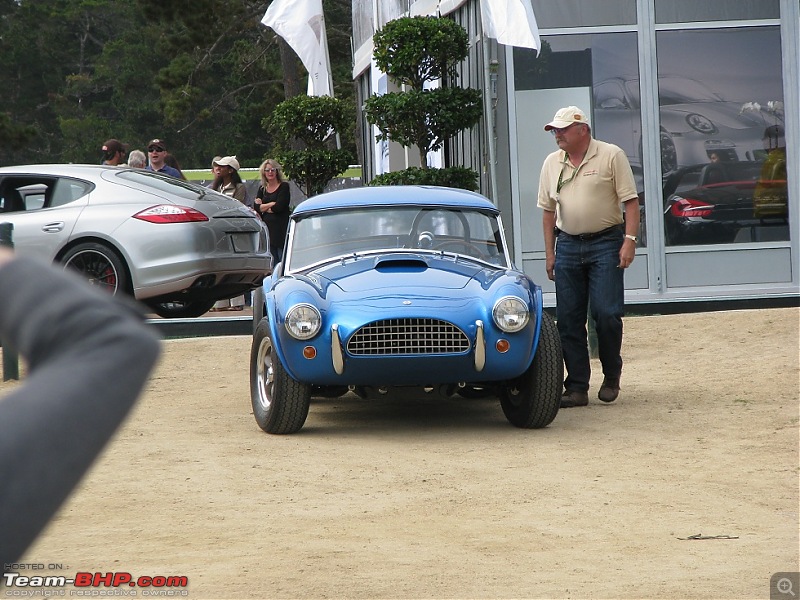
(366, 289)
(405, 273)
(722, 114)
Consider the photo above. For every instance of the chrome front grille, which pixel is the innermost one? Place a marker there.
(408, 336)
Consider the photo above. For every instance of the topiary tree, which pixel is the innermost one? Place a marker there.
(313, 121)
(413, 51)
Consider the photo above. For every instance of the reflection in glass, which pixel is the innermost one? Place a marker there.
(722, 144)
(584, 13)
(688, 11)
(725, 202)
(607, 64)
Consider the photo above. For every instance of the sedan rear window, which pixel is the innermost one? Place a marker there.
(164, 183)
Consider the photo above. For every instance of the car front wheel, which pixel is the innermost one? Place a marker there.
(532, 400)
(280, 404)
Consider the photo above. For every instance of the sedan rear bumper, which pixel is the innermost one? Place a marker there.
(208, 280)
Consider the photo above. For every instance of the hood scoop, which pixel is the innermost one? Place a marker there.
(400, 264)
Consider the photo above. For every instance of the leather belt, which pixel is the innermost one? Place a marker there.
(590, 236)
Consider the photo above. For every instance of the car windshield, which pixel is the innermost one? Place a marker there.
(325, 236)
(679, 90)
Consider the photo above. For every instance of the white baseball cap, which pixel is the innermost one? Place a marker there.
(228, 161)
(567, 116)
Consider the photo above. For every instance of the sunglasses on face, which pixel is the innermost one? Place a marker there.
(156, 149)
(270, 170)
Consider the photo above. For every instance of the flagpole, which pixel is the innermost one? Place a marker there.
(489, 110)
(330, 73)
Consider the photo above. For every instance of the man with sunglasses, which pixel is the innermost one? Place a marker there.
(156, 153)
(591, 219)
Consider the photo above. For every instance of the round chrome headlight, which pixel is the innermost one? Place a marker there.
(303, 321)
(510, 314)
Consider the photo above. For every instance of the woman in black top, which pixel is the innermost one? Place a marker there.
(272, 202)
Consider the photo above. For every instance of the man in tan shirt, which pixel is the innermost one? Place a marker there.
(584, 189)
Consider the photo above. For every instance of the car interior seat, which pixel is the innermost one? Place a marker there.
(11, 200)
(713, 173)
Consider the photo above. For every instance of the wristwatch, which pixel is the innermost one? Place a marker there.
(633, 238)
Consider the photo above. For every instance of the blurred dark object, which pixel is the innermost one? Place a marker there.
(6, 234)
(10, 355)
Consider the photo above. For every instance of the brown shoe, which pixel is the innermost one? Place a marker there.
(609, 390)
(574, 398)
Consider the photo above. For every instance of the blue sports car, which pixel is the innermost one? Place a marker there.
(400, 290)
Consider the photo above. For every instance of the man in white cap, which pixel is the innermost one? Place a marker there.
(584, 189)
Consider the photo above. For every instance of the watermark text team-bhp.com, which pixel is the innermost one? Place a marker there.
(27, 580)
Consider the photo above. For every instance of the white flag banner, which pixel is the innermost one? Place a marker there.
(510, 22)
(302, 26)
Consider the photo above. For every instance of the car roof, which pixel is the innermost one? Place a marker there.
(58, 169)
(396, 195)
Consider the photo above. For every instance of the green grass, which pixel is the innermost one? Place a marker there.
(353, 172)
(198, 175)
(247, 175)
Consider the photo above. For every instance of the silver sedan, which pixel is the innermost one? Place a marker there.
(174, 245)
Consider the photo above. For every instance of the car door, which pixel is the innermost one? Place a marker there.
(43, 211)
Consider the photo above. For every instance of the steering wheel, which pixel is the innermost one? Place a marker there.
(471, 248)
(415, 237)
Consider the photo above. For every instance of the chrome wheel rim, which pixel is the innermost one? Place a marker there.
(265, 375)
(96, 268)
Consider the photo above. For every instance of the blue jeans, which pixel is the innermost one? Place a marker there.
(587, 276)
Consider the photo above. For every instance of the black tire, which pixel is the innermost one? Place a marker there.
(669, 153)
(258, 307)
(532, 400)
(280, 404)
(100, 264)
(181, 310)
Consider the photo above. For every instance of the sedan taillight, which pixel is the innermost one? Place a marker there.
(687, 207)
(170, 213)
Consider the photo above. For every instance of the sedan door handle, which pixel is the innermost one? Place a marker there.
(53, 227)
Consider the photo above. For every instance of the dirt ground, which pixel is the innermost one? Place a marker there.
(444, 499)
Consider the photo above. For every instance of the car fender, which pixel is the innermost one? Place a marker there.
(296, 291)
(537, 306)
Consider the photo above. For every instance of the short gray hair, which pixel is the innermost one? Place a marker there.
(137, 159)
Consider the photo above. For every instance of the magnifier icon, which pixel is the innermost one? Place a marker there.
(784, 586)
